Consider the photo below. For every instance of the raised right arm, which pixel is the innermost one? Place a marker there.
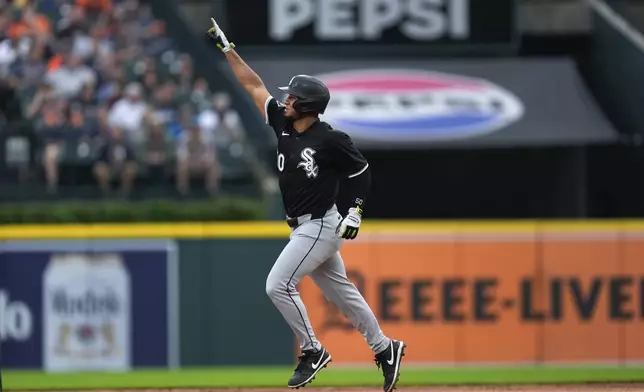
(250, 81)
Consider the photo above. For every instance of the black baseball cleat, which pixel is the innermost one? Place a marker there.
(389, 360)
(311, 362)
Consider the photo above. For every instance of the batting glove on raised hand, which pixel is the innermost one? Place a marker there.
(348, 228)
(218, 36)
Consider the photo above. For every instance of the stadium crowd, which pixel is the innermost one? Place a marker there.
(100, 80)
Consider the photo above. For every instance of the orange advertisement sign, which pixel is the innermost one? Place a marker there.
(493, 297)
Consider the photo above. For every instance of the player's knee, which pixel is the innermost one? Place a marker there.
(274, 287)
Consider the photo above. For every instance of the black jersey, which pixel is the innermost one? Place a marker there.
(311, 163)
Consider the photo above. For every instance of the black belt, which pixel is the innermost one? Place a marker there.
(295, 222)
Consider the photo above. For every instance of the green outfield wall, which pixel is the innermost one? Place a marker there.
(226, 316)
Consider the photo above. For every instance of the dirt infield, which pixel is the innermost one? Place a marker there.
(515, 388)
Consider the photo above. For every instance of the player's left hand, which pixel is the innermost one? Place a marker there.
(348, 228)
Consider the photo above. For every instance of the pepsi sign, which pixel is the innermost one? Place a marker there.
(356, 27)
(405, 105)
(421, 25)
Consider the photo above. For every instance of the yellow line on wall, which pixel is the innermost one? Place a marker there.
(281, 230)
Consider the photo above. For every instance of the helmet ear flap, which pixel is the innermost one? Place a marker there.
(306, 105)
(297, 105)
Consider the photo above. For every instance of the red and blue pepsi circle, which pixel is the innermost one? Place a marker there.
(412, 105)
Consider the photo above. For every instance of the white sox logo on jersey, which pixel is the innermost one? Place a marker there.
(308, 163)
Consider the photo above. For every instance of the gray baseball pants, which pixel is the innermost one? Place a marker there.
(314, 250)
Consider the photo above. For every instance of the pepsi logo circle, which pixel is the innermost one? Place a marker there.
(413, 105)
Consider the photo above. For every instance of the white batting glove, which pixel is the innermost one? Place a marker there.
(215, 34)
(348, 228)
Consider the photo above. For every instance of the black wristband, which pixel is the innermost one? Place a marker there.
(357, 190)
(358, 205)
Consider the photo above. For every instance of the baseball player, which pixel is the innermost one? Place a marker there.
(312, 158)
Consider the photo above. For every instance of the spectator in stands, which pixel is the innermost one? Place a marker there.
(48, 115)
(44, 108)
(10, 108)
(59, 121)
(96, 10)
(129, 12)
(69, 78)
(181, 122)
(139, 67)
(228, 116)
(154, 41)
(33, 68)
(156, 152)
(197, 157)
(130, 114)
(8, 55)
(150, 82)
(220, 121)
(200, 93)
(28, 23)
(164, 103)
(70, 23)
(185, 74)
(70, 28)
(95, 46)
(115, 159)
(94, 115)
(111, 86)
(9, 82)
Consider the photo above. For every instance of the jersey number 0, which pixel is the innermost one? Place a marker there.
(280, 162)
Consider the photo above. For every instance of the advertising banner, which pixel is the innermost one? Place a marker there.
(448, 103)
(423, 24)
(530, 297)
(88, 305)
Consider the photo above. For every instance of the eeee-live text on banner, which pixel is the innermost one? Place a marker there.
(494, 299)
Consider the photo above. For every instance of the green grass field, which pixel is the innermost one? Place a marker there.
(276, 377)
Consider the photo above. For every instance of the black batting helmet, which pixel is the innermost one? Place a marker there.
(312, 95)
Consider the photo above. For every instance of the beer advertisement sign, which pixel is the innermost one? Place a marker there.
(99, 305)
